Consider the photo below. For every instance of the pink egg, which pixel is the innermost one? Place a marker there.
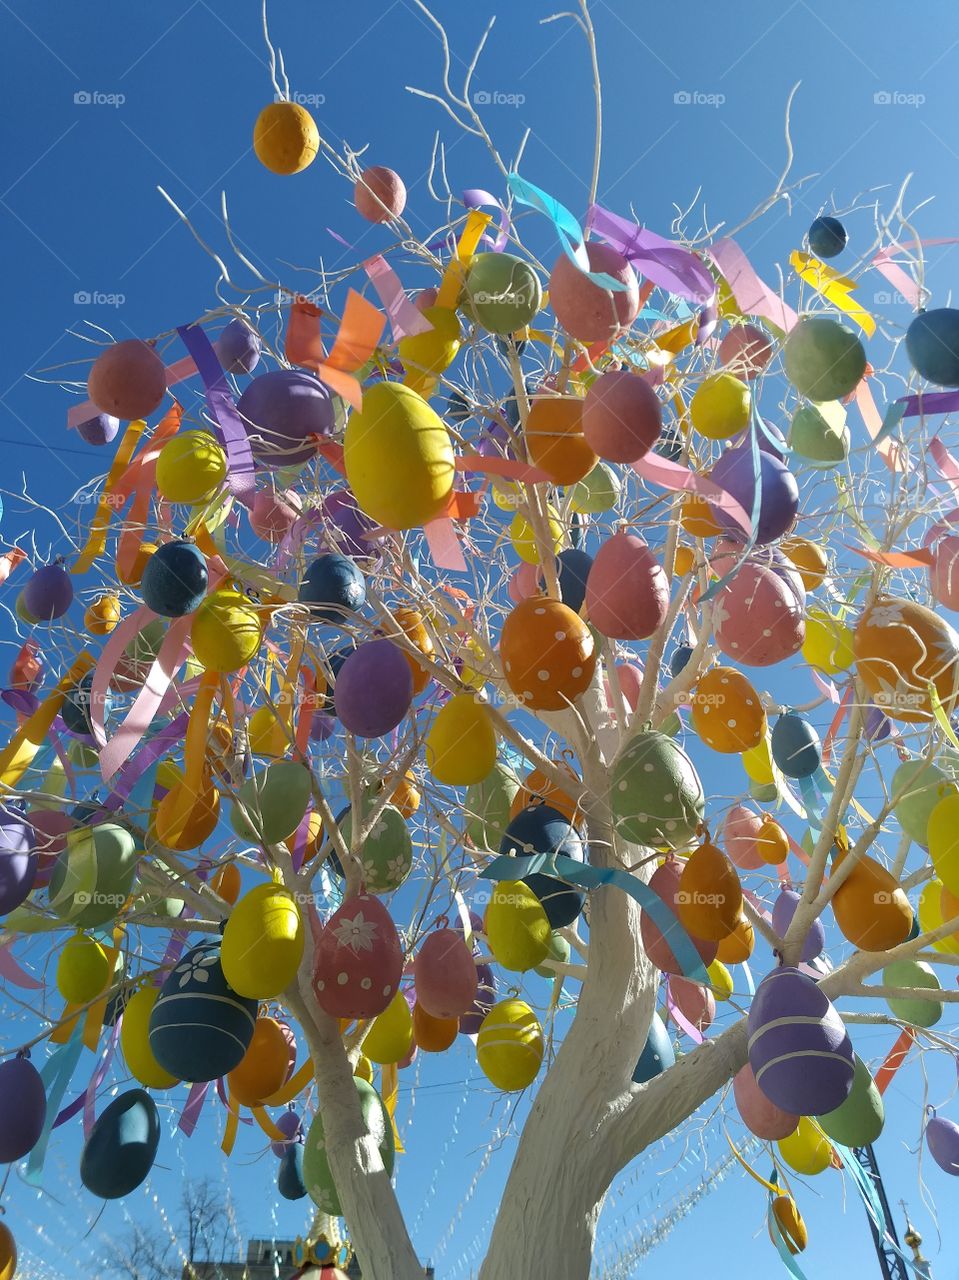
(127, 380)
(524, 583)
(741, 831)
(630, 675)
(627, 591)
(376, 187)
(426, 298)
(697, 1004)
(622, 416)
(445, 975)
(944, 571)
(745, 351)
(656, 944)
(358, 961)
(758, 1114)
(586, 310)
(273, 514)
(758, 618)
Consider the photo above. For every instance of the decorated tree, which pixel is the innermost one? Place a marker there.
(505, 658)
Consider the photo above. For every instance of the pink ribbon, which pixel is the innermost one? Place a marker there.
(406, 320)
(11, 971)
(753, 296)
(444, 545)
(671, 475)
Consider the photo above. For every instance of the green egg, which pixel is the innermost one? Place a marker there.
(656, 796)
(387, 854)
(93, 875)
(917, 787)
(488, 804)
(597, 492)
(913, 973)
(317, 1176)
(502, 293)
(859, 1120)
(819, 434)
(823, 359)
(275, 800)
(559, 949)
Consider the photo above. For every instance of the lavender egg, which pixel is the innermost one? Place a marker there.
(799, 1049)
(290, 1124)
(238, 347)
(18, 859)
(352, 525)
(99, 430)
(280, 410)
(778, 491)
(942, 1139)
(49, 593)
(784, 909)
(23, 1108)
(485, 999)
(374, 689)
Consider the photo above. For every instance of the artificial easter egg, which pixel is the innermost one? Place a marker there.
(555, 441)
(263, 942)
(859, 1120)
(806, 1150)
(444, 974)
(274, 801)
(380, 194)
(317, 1174)
(658, 1054)
(824, 360)
(386, 858)
(696, 1005)
(122, 1146)
(18, 859)
(265, 1065)
(285, 137)
(537, 788)
(86, 901)
(501, 292)
(916, 789)
(819, 434)
(488, 806)
(727, 712)
(135, 1041)
(358, 961)
(282, 411)
(509, 1047)
(291, 1126)
(586, 309)
(916, 1010)
(471, 1022)
(826, 236)
(784, 908)
(48, 593)
(745, 351)
(226, 632)
(790, 1223)
(795, 744)
(735, 472)
(942, 839)
(627, 592)
(374, 689)
(389, 1038)
(596, 493)
(398, 457)
(720, 406)
(273, 516)
(828, 644)
(431, 1034)
(413, 627)
(83, 969)
(333, 587)
(99, 430)
(799, 1049)
(127, 380)
(942, 1139)
(101, 617)
(621, 418)
(658, 945)
(901, 648)
(523, 536)
(737, 947)
(516, 926)
(871, 910)
(742, 829)
(932, 345)
(656, 796)
(175, 579)
(548, 654)
(944, 571)
(426, 355)
(758, 617)
(541, 829)
(461, 742)
(809, 558)
(191, 467)
(758, 1114)
(710, 898)
(289, 1176)
(23, 1109)
(238, 347)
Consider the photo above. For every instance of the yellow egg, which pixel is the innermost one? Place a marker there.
(364, 1069)
(8, 1253)
(461, 743)
(398, 457)
(102, 616)
(758, 762)
(190, 468)
(83, 969)
(135, 1041)
(509, 1046)
(263, 942)
(168, 775)
(226, 631)
(268, 736)
(930, 917)
(285, 137)
(524, 539)
(389, 1038)
(426, 355)
(506, 494)
(807, 1150)
(684, 561)
(516, 926)
(942, 839)
(721, 980)
(809, 558)
(828, 643)
(720, 406)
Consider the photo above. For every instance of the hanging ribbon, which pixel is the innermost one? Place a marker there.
(97, 537)
(18, 754)
(679, 479)
(11, 971)
(390, 1092)
(663, 261)
(449, 291)
(567, 229)
(753, 297)
(241, 470)
(894, 1059)
(360, 331)
(444, 545)
(474, 198)
(192, 1107)
(56, 1076)
(835, 288)
(406, 320)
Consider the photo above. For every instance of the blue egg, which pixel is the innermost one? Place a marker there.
(289, 1178)
(670, 444)
(99, 430)
(122, 1146)
(932, 345)
(679, 659)
(333, 587)
(458, 407)
(541, 829)
(199, 1027)
(505, 343)
(827, 237)
(175, 579)
(76, 707)
(572, 568)
(658, 1054)
(335, 660)
(795, 746)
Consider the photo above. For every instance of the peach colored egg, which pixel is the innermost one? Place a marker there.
(627, 591)
(622, 416)
(742, 830)
(377, 187)
(586, 310)
(127, 380)
(759, 620)
(944, 571)
(745, 351)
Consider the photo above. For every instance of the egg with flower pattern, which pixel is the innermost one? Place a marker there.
(358, 961)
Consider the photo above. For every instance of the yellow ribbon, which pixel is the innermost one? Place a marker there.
(267, 1125)
(232, 1124)
(449, 290)
(833, 287)
(97, 539)
(293, 1086)
(390, 1090)
(17, 756)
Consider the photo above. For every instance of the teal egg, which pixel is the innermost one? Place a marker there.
(597, 492)
(913, 973)
(502, 293)
(917, 787)
(488, 805)
(859, 1120)
(387, 854)
(88, 901)
(317, 1175)
(122, 1146)
(656, 796)
(823, 359)
(275, 800)
(819, 434)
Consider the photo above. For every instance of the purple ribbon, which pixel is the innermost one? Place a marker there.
(148, 754)
(667, 264)
(475, 198)
(241, 470)
(192, 1108)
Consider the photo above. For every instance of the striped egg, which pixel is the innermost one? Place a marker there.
(799, 1049)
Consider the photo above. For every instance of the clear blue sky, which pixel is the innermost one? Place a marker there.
(80, 216)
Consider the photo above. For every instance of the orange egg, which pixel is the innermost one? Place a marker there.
(872, 912)
(901, 648)
(538, 789)
(406, 796)
(737, 947)
(684, 561)
(264, 1067)
(227, 882)
(809, 558)
(433, 1035)
(411, 624)
(555, 440)
(709, 901)
(727, 712)
(772, 843)
(697, 517)
(547, 653)
(102, 616)
(188, 828)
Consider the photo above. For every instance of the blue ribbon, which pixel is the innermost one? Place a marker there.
(687, 957)
(568, 230)
(867, 1189)
(56, 1075)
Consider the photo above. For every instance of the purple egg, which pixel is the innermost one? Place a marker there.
(779, 492)
(494, 442)
(877, 724)
(23, 1108)
(783, 911)
(322, 726)
(374, 689)
(352, 525)
(799, 1049)
(49, 592)
(18, 859)
(942, 1139)
(99, 430)
(485, 999)
(238, 347)
(280, 410)
(290, 1124)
